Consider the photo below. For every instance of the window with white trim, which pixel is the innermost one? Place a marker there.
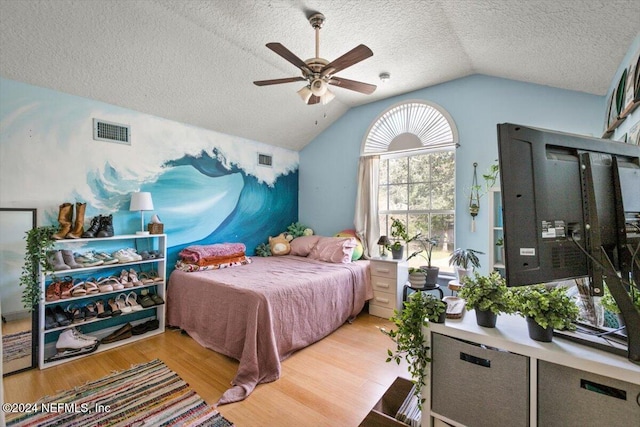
(416, 143)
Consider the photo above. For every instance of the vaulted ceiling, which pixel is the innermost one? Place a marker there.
(194, 61)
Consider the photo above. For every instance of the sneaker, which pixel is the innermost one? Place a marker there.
(87, 259)
(132, 252)
(106, 258)
(68, 340)
(82, 336)
(122, 256)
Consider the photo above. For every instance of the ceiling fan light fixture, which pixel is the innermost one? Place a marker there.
(327, 97)
(319, 87)
(305, 93)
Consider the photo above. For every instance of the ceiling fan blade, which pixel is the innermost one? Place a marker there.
(355, 55)
(278, 81)
(353, 85)
(289, 56)
(313, 100)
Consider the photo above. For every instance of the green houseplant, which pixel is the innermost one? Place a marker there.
(400, 234)
(488, 296)
(464, 260)
(39, 243)
(548, 307)
(410, 338)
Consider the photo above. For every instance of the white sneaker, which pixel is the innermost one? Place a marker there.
(132, 252)
(68, 340)
(123, 256)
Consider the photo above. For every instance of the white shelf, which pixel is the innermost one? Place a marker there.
(157, 311)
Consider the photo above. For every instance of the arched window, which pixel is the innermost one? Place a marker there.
(415, 142)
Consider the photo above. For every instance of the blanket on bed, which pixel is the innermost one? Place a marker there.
(195, 253)
(259, 314)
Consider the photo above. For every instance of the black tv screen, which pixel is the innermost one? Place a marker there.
(545, 205)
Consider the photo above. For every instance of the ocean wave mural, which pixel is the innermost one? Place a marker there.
(206, 186)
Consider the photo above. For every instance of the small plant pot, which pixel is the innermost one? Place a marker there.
(432, 276)
(486, 318)
(441, 318)
(537, 332)
(417, 280)
(397, 253)
(461, 273)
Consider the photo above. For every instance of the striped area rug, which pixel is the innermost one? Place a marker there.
(149, 394)
(16, 346)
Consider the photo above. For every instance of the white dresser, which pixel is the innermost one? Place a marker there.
(388, 277)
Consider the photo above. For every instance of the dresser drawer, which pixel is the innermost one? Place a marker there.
(383, 269)
(383, 284)
(383, 299)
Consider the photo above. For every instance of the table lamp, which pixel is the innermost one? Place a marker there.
(141, 202)
(384, 242)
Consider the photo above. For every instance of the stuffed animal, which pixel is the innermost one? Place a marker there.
(279, 245)
(358, 251)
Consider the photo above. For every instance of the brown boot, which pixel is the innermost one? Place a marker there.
(64, 218)
(78, 226)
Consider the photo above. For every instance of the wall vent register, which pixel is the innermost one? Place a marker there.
(265, 160)
(111, 132)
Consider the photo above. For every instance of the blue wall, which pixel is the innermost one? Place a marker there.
(328, 165)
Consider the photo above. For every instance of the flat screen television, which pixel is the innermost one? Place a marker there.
(571, 209)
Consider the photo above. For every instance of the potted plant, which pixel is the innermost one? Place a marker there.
(610, 304)
(546, 308)
(399, 232)
(410, 338)
(417, 277)
(39, 243)
(426, 252)
(488, 296)
(465, 261)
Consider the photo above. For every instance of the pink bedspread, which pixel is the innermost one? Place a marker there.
(260, 313)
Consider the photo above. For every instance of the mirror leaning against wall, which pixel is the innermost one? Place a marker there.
(19, 336)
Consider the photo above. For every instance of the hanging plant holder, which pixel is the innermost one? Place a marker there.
(474, 198)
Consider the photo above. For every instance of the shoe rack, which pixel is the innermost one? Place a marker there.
(102, 327)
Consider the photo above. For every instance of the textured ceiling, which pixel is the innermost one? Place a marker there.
(195, 61)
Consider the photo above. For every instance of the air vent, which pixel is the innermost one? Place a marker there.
(111, 132)
(265, 160)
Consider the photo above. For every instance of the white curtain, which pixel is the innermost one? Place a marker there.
(366, 216)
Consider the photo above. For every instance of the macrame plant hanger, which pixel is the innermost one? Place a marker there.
(474, 198)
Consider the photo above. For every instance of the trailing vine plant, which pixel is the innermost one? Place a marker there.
(39, 243)
(410, 339)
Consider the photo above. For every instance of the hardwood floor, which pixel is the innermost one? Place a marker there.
(334, 382)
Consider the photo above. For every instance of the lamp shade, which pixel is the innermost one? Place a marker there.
(384, 240)
(141, 202)
(305, 94)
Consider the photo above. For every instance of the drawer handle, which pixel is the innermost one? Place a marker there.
(475, 360)
(603, 389)
(383, 270)
(382, 285)
(384, 300)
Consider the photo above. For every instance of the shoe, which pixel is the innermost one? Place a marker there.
(67, 258)
(106, 226)
(80, 335)
(145, 301)
(145, 279)
(87, 259)
(49, 319)
(106, 258)
(156, 254)
(146, 255)
(78, 226)
(57, 262)
(65, 215)
(76, 313)
(78, 290)
(61, 316)
(157, 299)
(132, 301)
(53, 291)
(103, 310)
(123, 333)
(91, 286)
(90, 311)
(134, 254)
(65, 287)
(122, 256)
(69, 340)
(115, 311)
(133, 278)
(154, 275)
(121, 302)
(145, 327)
(106, 285)
(93, 229)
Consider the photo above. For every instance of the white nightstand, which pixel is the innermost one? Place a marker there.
(388, 277)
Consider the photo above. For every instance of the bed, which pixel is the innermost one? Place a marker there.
(262, 312)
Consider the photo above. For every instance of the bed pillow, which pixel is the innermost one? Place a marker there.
(301, 246)
(333, 249)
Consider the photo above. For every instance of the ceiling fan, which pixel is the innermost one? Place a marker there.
(320, 73)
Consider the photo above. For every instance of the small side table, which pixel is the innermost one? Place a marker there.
(454, 286)
(407, 287)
